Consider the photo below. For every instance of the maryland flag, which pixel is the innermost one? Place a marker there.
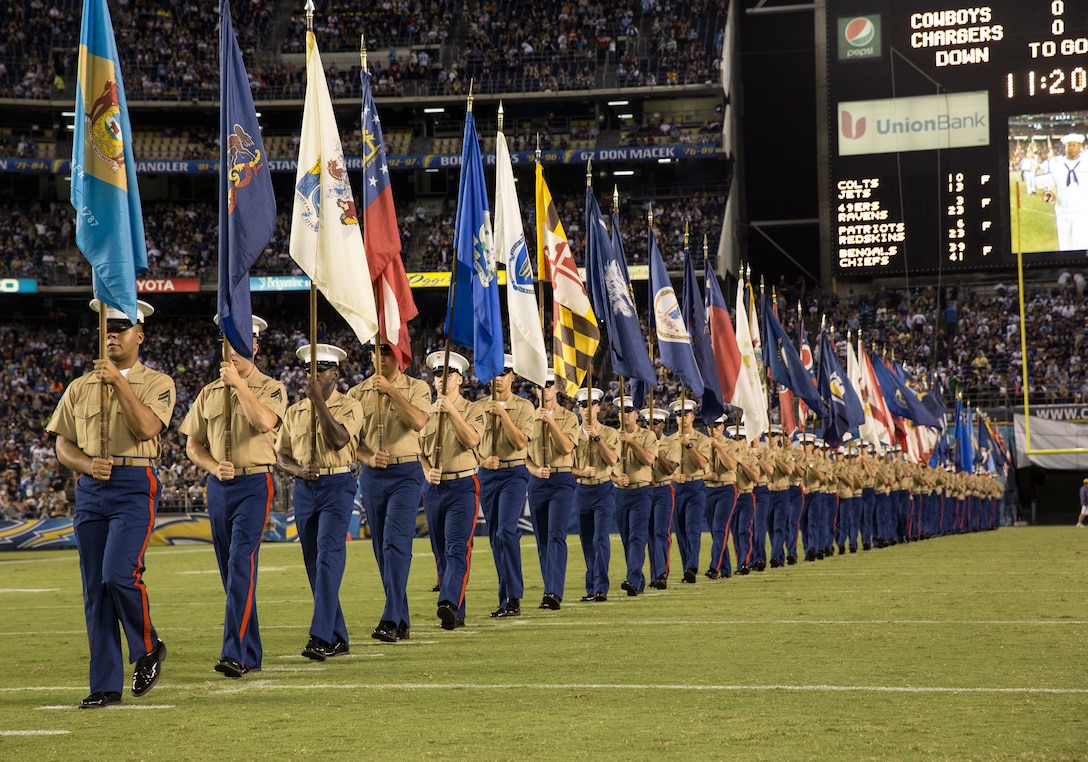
(575, 335)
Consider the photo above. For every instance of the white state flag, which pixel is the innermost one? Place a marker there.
(326, 240)
(871, 430)
(750, 395)
(526, 333)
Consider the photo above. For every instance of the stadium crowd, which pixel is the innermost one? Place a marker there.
(169, 51)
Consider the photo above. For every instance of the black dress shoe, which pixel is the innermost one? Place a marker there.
(386, 632)
(511, 608)
(447, 615)
(148, 669)
(551, 601)
(775, 563)
(853, 548)
(820, 555)
(631, 590)
(660, 583)
(317, 649)
(403, 632)
(588, 598)
(810, 555)
(690, 575)
(759, 566)
(600, 598)
(742, 570)
(791, 560)
(230, 667)
(711, 574)
(725, 575)
(99, 699)
(436, 589)
(460, 622)
(866, 546)
(842, 549)
(339, 648)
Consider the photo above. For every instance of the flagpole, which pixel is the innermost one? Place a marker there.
(649, 334)
(539, 286)
(228, 440)
(378, 337)
(495, 418)
(766, 371)
(449, 341)
(683, 389)
(313, 297)
(104, 397)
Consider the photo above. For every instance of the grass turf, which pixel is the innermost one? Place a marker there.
(963, 647)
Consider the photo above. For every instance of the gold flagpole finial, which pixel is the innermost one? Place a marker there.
(471, 82)
(362, 51)
(500, 116)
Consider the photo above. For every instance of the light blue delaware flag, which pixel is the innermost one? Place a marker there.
(109, 221)
(474, 319)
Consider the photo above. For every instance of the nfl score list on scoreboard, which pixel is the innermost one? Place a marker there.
(935, 113)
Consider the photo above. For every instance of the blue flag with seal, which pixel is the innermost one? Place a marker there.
(247, 206)
(610, 292)
(694, 312)
(784, 361)
(673, 339)
(473, 318)
(109, 220)
(902, 401)
(965, 445)
(841, 410)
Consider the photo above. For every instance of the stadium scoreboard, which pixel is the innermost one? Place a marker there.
(945, 126)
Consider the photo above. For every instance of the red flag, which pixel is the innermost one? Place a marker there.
(381, 237)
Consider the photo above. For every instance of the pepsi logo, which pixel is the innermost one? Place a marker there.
(859, 32)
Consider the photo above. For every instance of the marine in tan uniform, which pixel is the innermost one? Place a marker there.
(632, 475)
(395, 407)
(117, 494)
(691, 449)
(240, 488)
(721, 496)
(551, 488)
(324, 490)
(452, 497)
(504, 479)
(595, 454)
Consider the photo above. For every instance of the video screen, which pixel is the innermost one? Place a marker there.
(1048, 182)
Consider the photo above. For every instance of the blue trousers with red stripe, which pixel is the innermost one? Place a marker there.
(451, 507)
(322, 513)
(778, 523)
(720, 504)
(633, 521)
(391, 499)
(550, 502)
(238, 510)
(760, 521)
(113, 521)
(502, 496)
(662, 506)
(743, 518)
(690, 515)
(797, 509)
(595, 507)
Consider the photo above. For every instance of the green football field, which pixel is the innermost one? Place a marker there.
(968, 647)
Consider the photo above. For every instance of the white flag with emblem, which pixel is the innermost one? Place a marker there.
(325, 237)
